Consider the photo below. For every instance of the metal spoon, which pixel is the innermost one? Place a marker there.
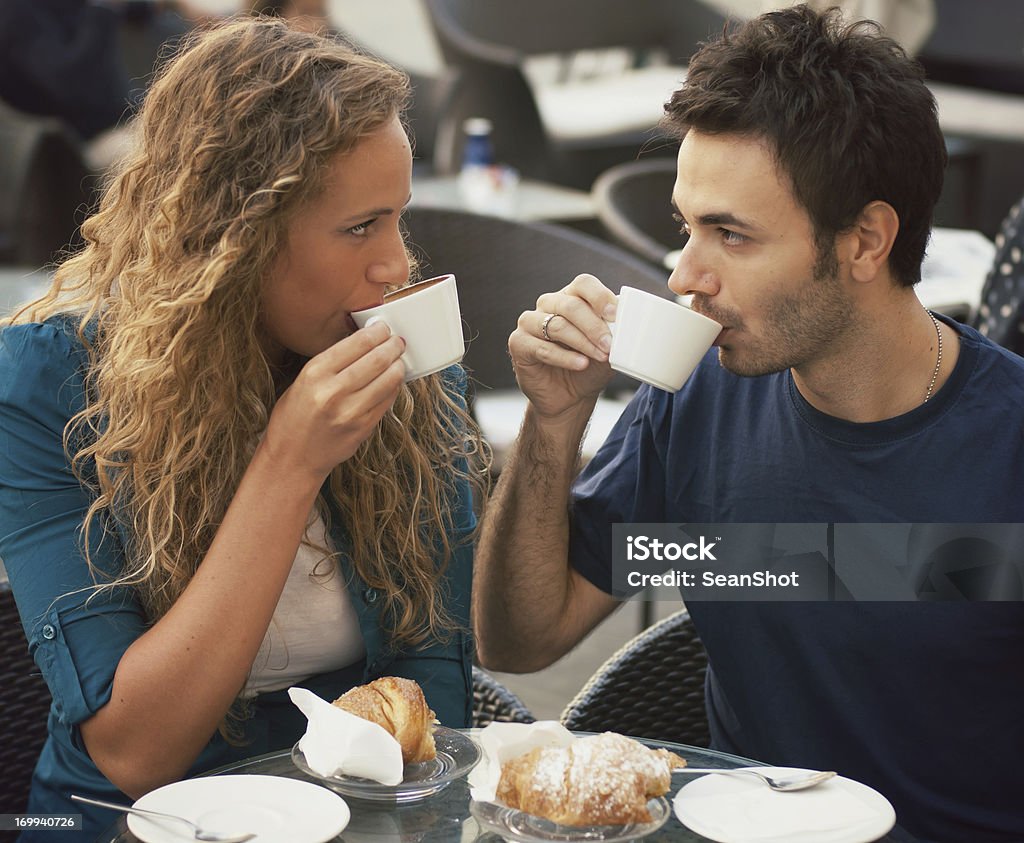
(791, 781)
(197, 832)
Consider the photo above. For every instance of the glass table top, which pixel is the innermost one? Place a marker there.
(446, 816)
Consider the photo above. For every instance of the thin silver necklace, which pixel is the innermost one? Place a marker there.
(938, 362)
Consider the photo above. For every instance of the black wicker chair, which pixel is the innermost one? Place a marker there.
(494, 703)
(652, 688)
(502, 267)
(24, 701)
(634, 205)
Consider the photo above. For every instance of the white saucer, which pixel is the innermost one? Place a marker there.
(457, 754)
(514, 825)
(741, 809)
(279, 810)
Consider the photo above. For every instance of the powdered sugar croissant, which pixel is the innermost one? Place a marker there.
(397, 705)
(604, 779)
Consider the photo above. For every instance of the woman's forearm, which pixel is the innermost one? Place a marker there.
(174, 685)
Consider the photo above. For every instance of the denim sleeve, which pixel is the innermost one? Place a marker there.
(76, 635)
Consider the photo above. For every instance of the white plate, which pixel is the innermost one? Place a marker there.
(279, 810)
(456, 756)
(526, 828)
(741, 809)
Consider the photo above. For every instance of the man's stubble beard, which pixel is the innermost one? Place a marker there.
(797, 326)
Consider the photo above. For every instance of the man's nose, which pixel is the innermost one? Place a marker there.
(693, 274)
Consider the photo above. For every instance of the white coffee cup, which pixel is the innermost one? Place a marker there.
(426, 315)
(658, 341)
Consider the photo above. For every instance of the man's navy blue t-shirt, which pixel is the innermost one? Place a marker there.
(922, 700)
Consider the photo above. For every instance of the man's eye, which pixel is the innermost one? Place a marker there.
(731, 238)
(684, 226)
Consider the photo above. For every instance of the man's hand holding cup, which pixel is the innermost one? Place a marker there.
(560, 350)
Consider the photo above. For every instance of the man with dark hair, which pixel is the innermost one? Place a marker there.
(809, 164)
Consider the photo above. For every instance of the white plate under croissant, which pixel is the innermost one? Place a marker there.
(456, 756)
(513, 824)
(603, 787)
(429, 757)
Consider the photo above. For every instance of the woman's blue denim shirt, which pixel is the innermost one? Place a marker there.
(77, 646)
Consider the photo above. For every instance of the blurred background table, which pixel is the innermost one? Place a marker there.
(529, 201)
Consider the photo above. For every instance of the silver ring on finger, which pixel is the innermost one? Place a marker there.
(544, 326)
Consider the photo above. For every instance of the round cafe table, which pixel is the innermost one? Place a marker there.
(445, 816)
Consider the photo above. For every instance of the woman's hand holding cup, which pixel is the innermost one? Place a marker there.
(340, 395)
(337, 400)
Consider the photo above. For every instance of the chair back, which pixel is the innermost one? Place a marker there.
(981, 51)
(488, 41)
(43, 185)
(428, 119)
(653, 687)
(633, 203)
(25, 703)
(508, 31)
(502, 266)
(494, 703)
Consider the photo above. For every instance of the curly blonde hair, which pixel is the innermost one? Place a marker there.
(235, 135)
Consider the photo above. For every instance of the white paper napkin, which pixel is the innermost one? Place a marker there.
(337, 742)
(750, 811)
(501, 742)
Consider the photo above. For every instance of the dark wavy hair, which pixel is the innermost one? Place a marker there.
(844, 110)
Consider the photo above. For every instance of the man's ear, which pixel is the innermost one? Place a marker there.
(865, 247)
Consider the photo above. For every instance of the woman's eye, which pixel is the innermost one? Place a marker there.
(361, 229)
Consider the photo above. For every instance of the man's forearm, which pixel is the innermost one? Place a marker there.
(523, 586)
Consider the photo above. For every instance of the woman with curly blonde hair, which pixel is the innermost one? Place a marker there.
(212, 486)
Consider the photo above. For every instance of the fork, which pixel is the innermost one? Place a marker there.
(197, 832)
(791, 781)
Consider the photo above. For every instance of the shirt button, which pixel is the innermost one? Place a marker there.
(371, 595)
(49, 633)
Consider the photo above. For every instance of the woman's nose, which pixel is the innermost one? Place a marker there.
(391, 265)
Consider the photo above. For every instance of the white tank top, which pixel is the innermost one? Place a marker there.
(315, 628)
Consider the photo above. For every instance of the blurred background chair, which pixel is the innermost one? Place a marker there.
(980, 50)
(652, 688)
(427, 118)
(975, 68)
(502, 266)
(25, 703)
(519, 65)
(44, 186)
(494, 703)
(633, 202)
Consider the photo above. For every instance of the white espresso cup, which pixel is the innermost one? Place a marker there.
(658, 341)
(426, 315)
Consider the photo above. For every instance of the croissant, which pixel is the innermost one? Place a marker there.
(397, 705)
(600, 780)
